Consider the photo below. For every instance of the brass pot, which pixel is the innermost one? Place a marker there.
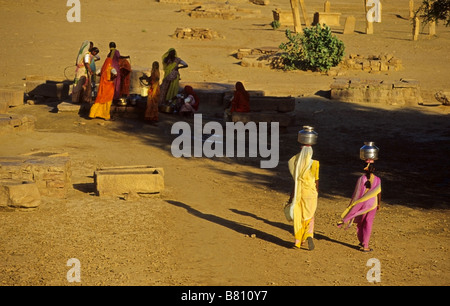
(122, 102)
(369, 151)
(307, 136)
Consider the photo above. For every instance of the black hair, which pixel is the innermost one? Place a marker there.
(369, 170)
(112, 44)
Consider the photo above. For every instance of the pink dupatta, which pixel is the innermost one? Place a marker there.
(363, 200)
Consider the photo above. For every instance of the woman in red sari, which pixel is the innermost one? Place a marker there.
(240, 102)
(241, 99)
(105, 96)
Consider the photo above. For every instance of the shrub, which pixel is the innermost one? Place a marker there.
(275, 24)
(316, 49)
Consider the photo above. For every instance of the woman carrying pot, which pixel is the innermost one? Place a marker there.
(363, 206)
(303, 200)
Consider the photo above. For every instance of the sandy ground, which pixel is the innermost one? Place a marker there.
(220, 221)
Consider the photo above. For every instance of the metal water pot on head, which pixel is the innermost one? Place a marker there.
(307, 136)
(369, 151)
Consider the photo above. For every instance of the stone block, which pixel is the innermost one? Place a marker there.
(46, 87)
(69, 107)
(349, 26)
(284, 119)
(19, 194)
(267, 103)
(285, 18)
(330, 19)
(120, 181)
(12, 97)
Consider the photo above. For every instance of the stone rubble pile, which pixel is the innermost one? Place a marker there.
(196, 33)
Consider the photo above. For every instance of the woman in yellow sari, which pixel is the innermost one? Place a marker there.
(170, 84)
(305, 172)
(102, 105)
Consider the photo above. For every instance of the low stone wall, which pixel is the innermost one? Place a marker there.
(403, 92)
(47, 87)
(50, 172)
(371, 63)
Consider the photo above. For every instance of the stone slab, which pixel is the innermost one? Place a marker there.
(330, 19)
(12, 97)
(19, 194)
(120, 181)
(68, 107)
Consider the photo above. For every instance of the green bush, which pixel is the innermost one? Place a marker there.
(275, 24)
(316, 49)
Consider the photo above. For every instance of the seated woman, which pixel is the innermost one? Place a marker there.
(239, 103)
(188, 101)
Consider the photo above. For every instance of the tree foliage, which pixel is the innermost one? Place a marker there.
(435, 10)
(316, 49)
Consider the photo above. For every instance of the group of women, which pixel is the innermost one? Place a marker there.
(114, 79)
(114, 84)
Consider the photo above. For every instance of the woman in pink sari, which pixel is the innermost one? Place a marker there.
(363, 206)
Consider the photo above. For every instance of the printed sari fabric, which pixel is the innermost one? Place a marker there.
(170, 84)
(80, 69)
(102, 105)
(82, 90)
(305, 172)
(362, 208)
(151, 112)
(114, 54)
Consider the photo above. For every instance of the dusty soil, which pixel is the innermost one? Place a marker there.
(220, 221)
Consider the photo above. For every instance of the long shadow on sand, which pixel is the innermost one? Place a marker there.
(233, 225)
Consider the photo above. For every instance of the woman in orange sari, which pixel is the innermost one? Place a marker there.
(151, 112)
(102, 105)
